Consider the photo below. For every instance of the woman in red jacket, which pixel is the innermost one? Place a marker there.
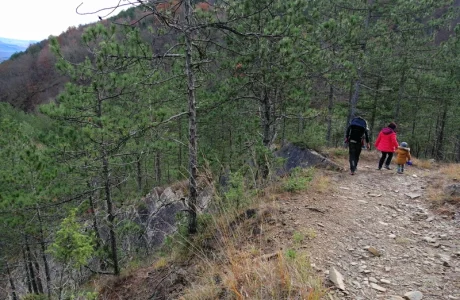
(386, 143)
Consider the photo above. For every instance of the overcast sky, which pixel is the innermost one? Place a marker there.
(38, 19)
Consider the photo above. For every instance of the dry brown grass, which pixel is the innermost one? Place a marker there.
(446, 175)
(422, 163)
(320, 183)
(241, 268)
(451, 171)
(247, 276)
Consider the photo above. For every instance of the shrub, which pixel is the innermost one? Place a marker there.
(298, 180)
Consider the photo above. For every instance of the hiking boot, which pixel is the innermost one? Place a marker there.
(352, 173)
(380, 169)
(387, 167)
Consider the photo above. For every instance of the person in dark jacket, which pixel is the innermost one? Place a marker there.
(387, 143)
(355, 139)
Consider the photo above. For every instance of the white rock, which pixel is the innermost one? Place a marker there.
(372, 279)
(392, 236)
(378, 287)
(375, 195)
(413, 195)
(336, 278)
(356, 283)
(414, 295)
(429, 239)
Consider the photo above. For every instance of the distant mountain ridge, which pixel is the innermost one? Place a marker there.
(10, 46)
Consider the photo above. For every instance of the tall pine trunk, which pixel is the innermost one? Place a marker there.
(193, 151)
(10, 279)
(402, 82)
(353, 102)
(439, 151)
(330, 110)
(33, 276)
(27, 272)
(43, 250)
(108, 193)
(139, 172)
(110, 214)
(374, 108)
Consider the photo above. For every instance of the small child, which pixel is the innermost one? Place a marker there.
(403, 156)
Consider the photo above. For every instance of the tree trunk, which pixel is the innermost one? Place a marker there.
(439, 153)
(139, 172)
(110, 215)
(39, 280)
(33, 277)
(179, 160)
(330, 110)
(457, 149)
(158, 167)
(27, 271)
(266, 118)
(108, 193)
(193, 151)
(267, 129)
(402, 82)
(357, 85)
(374, 108)
(43, 249)
(92, 206)
(10, 278)
(349, 116)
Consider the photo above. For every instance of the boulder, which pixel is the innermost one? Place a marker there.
(297, 156)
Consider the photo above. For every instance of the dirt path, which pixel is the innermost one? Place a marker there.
(418, 250)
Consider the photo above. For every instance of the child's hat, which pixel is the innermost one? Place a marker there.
(404, 144)
(392, 125)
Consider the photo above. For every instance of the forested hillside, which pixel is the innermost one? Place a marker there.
(95, 118)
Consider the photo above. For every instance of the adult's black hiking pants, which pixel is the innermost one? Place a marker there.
(354, 152)
(386, 157)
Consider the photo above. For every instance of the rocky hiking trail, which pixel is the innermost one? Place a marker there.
(378, 232)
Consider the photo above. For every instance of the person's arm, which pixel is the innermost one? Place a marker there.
(347, 136)
(366, 136)
(394, 141)
(377, 141)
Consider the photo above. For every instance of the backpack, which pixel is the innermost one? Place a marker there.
(358, 121)
(358, 128)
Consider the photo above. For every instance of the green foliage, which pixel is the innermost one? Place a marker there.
(298, 180)
(85, 295)
(71, 246)
(35, 297)
(235, 195)
(298, 237)
(291, 253)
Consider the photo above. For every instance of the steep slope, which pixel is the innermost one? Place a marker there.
(377, 229)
